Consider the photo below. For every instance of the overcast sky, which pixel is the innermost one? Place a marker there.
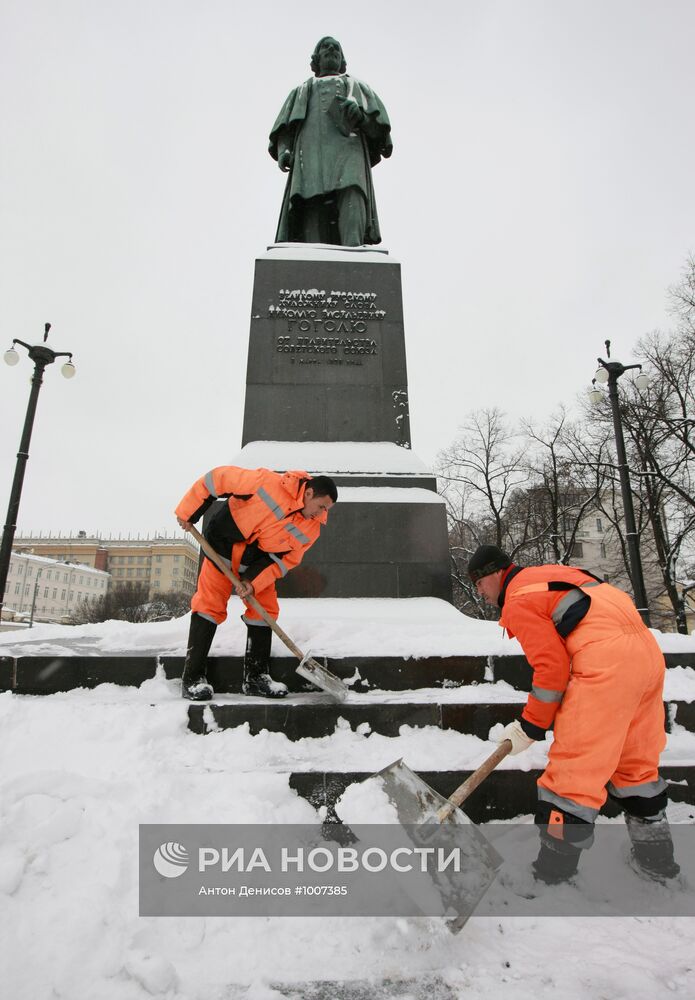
(539, 198)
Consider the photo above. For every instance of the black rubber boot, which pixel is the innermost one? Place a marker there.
(563, 838)
(257, 679)
(556, 862)
(652, 847)
(194, 683)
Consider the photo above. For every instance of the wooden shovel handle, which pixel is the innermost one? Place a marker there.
(472, 782)
(223, 568)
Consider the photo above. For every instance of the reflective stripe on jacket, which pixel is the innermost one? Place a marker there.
(266, 506)
(538, 608)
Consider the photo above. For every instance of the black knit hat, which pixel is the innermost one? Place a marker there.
(485, 560)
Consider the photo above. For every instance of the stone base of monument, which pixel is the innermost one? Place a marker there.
(327, 392)
(326, 357)
(386, 536)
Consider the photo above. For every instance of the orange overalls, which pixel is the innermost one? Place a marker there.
(264, 510)
(601, 685)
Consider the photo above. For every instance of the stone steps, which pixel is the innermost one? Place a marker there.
(311, 718)
(505, 794)
(49, 674)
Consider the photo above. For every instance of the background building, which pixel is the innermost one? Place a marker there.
(163, 564)
(48, 590)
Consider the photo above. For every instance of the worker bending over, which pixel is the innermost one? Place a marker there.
(598, 678)
(267, 522)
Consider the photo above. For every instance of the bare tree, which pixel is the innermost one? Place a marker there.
(479, 473)
(485, 464)
(658, 425)
(553, 508)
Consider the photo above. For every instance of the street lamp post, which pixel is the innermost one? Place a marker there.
(42, 356)
(610, 371)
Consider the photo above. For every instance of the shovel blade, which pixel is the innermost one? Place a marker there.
(312, 671)
(417, 804)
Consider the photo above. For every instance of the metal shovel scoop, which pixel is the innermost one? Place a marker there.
(320, 675)
(418, 804)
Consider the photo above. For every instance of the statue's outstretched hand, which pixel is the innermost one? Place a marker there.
(285, 160)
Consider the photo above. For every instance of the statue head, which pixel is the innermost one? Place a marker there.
(327, 58)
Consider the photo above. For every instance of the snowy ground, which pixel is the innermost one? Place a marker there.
(333, 627)
(81, 770)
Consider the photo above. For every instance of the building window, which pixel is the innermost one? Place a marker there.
(17, 587)
(603, 550)
(156, 584)
(158, 558)
(158, 572)
(599, 524)
(130, 572)
(176, 558)
(62, 594)
(131, 559)
(577, 551)
(174, 572)
(139, 571)
(45, 591)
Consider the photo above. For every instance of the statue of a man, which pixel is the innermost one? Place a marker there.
(329, 134)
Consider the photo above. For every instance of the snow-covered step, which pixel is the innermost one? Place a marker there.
(51, 672)
(391, 673)
(505, 794)
(313, 716)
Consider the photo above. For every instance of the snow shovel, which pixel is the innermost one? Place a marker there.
(418, 804)
(308, 668)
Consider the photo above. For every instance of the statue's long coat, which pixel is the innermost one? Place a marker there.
(345, 157)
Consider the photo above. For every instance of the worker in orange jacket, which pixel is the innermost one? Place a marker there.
(598, 677)
(262, 528)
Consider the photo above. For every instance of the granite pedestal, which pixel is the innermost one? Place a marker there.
(327, 391)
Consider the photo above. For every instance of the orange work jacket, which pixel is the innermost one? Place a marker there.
(266, 507)
(534, 615)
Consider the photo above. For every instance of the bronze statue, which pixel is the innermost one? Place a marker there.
(329, 134)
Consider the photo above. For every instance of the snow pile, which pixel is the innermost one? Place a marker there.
(387, 494)
(326, 251)
(366, 802)
(377, 458)
(334, 627)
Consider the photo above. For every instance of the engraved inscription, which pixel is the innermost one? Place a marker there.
(331, 326)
